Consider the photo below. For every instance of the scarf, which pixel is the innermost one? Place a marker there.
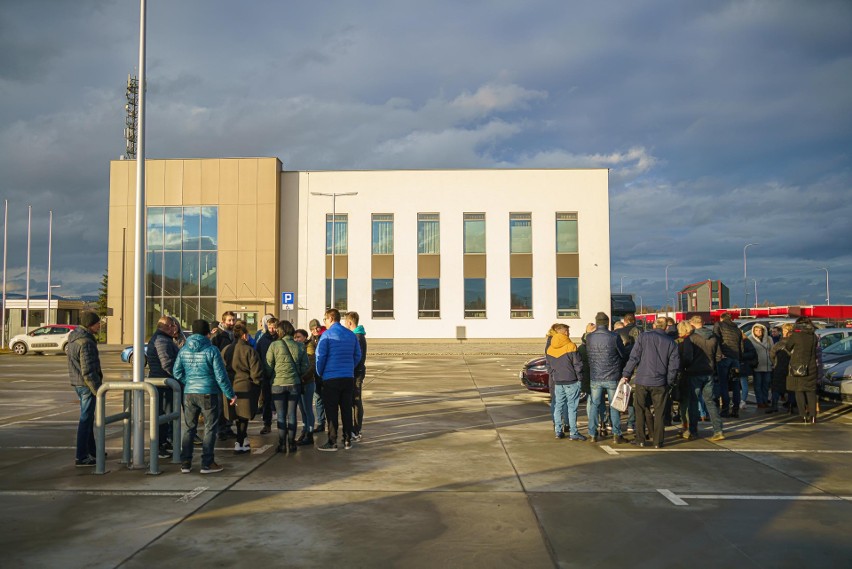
(561, 345)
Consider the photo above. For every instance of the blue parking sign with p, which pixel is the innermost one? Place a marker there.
(287, 300)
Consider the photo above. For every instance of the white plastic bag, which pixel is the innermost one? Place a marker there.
(622, 396)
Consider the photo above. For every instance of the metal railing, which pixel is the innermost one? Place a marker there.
(154, 422)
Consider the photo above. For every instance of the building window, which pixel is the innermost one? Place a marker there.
(474, 233)
(567, 298)
(382, 234)
(428, 298)
(520, 233)
(340, 228)
(181, 264)
(474, 298)
(341, 301)
(521, 298)
(382, 298)
(566, 233)
(428, 234)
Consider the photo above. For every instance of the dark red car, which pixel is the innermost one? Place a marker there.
(534, 375)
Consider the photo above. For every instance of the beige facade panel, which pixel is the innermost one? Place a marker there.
(382, 266)
(341, 266)
(229, 179)
(209, 181)
(118, 182)
(267, 226)
(474, 266)
(246, 275)
(521, 265)
(173, 185)
(155, 176)
(247, 188)
(227, 275)
(246, 229)
(267, 269)
(228, 220)
(567, 265)
(268, 180)
(192, 182)
(117, 223)
(428, 266)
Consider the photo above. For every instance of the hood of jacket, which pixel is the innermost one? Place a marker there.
(704, 332)
(80, 333)
(560, 345)
(196, 343)
(359, 330)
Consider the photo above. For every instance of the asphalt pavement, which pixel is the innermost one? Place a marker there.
(458, 467)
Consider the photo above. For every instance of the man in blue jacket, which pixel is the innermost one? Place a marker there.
(606, 358)
(656, 362)
(337, 355)
(200, 369)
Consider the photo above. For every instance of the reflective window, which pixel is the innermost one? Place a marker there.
(340, 294)
(474, 233)
(428, 298)
(521, 298)
(207, 269)
(209, 228)
(474, 298)
(173, 228)
(191, 228)
(382, 298)
(567, 298)
(520, 233)
(171, 273)
(566, 233)
(340, 229)
(382, 234)
(428, 234)
(155, 228)
(189, 273)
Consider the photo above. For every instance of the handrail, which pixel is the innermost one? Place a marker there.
(101, 422)
(174, 416)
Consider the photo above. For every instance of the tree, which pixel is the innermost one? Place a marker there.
(101, 304)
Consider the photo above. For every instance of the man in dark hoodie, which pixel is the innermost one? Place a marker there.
(701, 355)
(352, 319)
(84, 369)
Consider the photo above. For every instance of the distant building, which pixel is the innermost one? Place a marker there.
(703, 297)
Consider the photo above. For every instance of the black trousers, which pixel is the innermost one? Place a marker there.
(643, 398)
(337, 396)
(357, 405)
(266, 404)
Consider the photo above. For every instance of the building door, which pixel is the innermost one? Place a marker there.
(250, 318)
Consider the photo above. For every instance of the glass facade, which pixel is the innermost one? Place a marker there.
(382, 234)
(341, 234)
(520, 233)
(474, 233)
(566, 233)
(428, 234)
(521, 298)
(181, 264)
(382, 298)
(474, 298)
(341, 295)
(428, 298)
(567, 298)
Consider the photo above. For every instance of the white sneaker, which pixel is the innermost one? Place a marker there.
(742, 404)
(246, 446)
(238, 448)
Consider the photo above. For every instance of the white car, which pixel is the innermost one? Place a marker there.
(47, 339)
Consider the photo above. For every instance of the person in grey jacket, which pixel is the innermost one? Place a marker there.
(160, 355)
(656, 362)
(84, 369)
(200, 369)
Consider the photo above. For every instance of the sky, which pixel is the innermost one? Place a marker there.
(722, 123)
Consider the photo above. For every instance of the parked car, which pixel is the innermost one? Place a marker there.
(830, 336)
(127, 353)
(534, 375)
(836, 361)
(47, 339)
(837, 382)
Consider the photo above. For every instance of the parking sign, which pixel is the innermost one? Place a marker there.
(287, 300)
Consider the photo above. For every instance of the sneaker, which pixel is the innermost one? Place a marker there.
(266, 430)
(329, 446)
(240, 449)
(356, 437)
(164, 452)
(560, 435)
(308, 440)
(211, 468)
(631, 430)
(687, 435)
(88, 461)
(593, 438)
(717, 437)
(186, 467)
(619, 440)
(577, 437)
(742, 404)
(347, 445)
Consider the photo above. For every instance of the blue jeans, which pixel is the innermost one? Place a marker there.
(195, 404)
(702, 386)
(599, 408)
(744, 388)
(306, 407)
(723, 369)
(567, 402)
(762, 380)
(702, 407)
(286, 398)
(318, 404)
(86, 427)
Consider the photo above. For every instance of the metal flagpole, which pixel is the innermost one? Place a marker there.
(138, 444)
(29, 235)
(49, 259)
(5, 238)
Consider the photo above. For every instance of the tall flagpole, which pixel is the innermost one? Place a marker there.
(138, 459)
(49, 259)
(5, 238)
(29, 235)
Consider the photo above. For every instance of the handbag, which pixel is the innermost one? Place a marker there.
(799, 370)
(621, 400)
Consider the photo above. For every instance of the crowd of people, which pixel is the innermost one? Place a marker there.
(679, 373)
(229, 376)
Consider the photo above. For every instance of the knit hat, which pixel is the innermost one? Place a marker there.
(314, 324)
(201, 327)
(89, 318)
(601, 319)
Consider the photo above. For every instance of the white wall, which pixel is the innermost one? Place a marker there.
(452, 193)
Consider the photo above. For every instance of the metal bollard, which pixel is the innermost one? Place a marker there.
(101, 422)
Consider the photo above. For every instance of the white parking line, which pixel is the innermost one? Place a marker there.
(609, 450)
(262, 449)
(194, 494)
(680, 499)
(672, 497)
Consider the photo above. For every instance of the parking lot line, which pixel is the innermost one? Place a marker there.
(680, 499)
(609, 450)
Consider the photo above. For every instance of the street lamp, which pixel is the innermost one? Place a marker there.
(622, 284)
(667, 286)
(50, 288)
(827, 294)
(745, 273)
(333, 197)
(640, 303)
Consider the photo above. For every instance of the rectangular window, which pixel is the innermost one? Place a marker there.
(428, 298)
(567, 298)
(566, 233)
(340, 228)
(173, 229)
(521, 298)
(382, 234)
(382, 298)
(191, 228)
(340, 294)
(474, 233)
(474, 298)
(155, 229)
(428, 234)
(520, 233)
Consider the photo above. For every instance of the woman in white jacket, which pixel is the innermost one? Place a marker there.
(763, 370)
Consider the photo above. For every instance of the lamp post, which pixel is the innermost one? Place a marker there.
(5, 238)
(640, 303)
(667, 286)
(622, 284)
(49, 260)
(745, 273)
(333, 197)
(827, 292)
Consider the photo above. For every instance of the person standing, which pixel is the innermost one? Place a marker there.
(289, 362)
(656, 362)
(246, 374)
(351, 321)
(606, 360)
(731, 345)
(763, 369)
(201, 371)
(700, 356)
(803, 346)
(565, 367)
(222, 336)
(84, 370)
(337, 355)
(311, 347)
(160, 354)
(263, 342)
(306, 400)
(780, 366)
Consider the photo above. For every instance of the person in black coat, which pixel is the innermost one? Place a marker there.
(803, 346)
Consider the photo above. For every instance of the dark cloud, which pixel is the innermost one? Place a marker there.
(722, 123)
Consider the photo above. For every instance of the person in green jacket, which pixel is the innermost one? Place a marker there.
(287, 362)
